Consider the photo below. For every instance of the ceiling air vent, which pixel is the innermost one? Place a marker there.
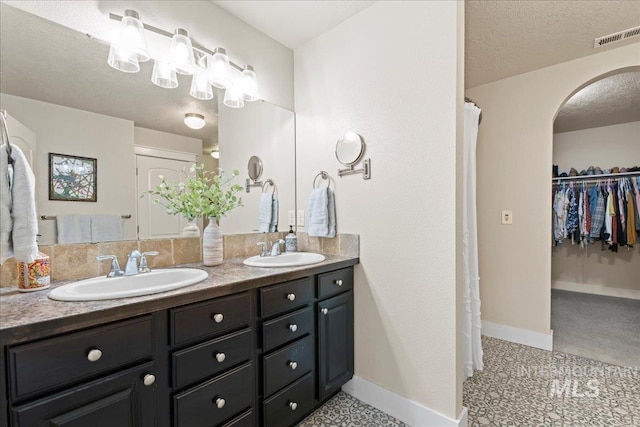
(616, 37)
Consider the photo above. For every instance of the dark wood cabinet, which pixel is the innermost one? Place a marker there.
(266, 357)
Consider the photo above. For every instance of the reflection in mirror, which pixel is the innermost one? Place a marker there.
(255, 168)
(349, 148)
(92, 110)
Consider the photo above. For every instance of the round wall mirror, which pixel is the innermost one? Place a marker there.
(255, 168)
(349, 148)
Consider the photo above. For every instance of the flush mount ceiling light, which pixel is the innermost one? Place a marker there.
(215, 154)
(186, 57)
(194, 121)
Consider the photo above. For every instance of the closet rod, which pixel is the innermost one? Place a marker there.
(596, 177)
(45, 217)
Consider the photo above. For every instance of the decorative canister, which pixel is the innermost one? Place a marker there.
(34, 276)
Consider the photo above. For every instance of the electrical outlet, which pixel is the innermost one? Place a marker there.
(507, 217)
(292, 217)
(301, 218)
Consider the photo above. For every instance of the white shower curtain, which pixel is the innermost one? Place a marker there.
(471, 326)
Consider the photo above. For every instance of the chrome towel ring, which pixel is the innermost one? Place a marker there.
(272, 184)
(323, 175)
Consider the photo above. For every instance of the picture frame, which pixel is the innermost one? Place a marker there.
(73, 178)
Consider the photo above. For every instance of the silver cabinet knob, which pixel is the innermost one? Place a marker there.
(149, 379)
(291, 297)
(293, 406)
(94, 355)
(293, 327)
(220, 357)
(293, 365)
(218, 317)
(338, 282)
(324, 311)
(220, 402)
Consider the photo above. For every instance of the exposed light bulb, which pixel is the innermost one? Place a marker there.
(194, 121)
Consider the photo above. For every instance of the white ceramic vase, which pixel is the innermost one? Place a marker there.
(191, 229)
(212, 244)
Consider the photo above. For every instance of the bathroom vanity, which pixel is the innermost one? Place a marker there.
(246, 347)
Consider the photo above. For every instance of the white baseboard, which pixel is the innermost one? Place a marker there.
(596, 289)
(405, 410)
(517, 335)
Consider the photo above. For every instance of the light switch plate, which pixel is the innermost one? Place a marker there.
(292, 217)
(301, 218)
(507, 217)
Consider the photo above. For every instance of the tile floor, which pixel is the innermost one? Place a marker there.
(344, 410)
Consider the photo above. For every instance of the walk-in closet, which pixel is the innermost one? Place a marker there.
(595, 276)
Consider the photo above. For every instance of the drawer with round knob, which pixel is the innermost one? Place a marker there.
(54, 362)
(291, 404)
(335, 282)
(211, 357)
(215, 401)
(287, 328)
(286, 296)
(288, 364)
(210, 318)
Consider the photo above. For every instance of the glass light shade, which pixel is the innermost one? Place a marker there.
(215, 154)
(181, 53)
(125, 61)
(220, 69)
(233, 97)
(163, 75)
(249, 84)
(131, 37)
(200, 87)
(194, 121)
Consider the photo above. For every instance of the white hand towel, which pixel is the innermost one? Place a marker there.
(318, 213)
(74, 228)
(106, 228)
(265, 210)
(18, 217)
(273, 225)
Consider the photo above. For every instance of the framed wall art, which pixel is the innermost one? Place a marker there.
(72, 178)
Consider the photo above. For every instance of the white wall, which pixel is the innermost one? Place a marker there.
(514, 172)
(606, 146)
(65, 130)
(267, 131)
(167, 141)
(593, 270)
(389, 74)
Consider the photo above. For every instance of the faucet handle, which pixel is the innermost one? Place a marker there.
(115, 267)
(264, 248)
(144, 267)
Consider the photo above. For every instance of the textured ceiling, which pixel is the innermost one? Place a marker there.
(52, 63)
(506, 38)
(609, 101)
(293, 23)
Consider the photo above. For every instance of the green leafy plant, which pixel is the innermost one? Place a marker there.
(201, 193)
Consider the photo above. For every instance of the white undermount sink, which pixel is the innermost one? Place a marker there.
(100, 288)
(287, 259)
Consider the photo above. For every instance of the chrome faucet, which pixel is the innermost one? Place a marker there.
(275, 248)
(115, 267)
(132, 263)
(144, 267)
(264, 251)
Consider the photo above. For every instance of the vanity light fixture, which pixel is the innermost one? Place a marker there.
(215, 154)
(194, 121)
(185, 57)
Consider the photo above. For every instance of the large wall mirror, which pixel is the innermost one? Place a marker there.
(56, 82)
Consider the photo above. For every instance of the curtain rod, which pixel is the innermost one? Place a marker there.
(126, 216)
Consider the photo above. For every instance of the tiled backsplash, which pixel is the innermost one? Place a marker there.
(78, 261)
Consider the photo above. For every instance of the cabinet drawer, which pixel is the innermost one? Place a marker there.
(335, 282)
(120, 399)
(286, 296)
(211, 357)
(61, 360)
(287, 365)
(287, 328)
(201, 405)
(244, 420)
(209, 318)
(291, 404)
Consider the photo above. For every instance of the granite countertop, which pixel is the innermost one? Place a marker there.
(27, 316)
